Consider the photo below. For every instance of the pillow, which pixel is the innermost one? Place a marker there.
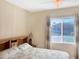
(26, 49)
(24, 46)
(9, 52)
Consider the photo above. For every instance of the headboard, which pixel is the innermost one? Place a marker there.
(15, 41)
(9, 42)
(4, 45)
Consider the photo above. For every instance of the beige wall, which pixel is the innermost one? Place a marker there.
(39, 22)
(14, 21)
(40, 28)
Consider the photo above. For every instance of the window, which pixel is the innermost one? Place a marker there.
(62, 30)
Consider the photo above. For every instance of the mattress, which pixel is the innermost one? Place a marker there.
(25, 51)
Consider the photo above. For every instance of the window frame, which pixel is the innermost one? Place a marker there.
(62, 35)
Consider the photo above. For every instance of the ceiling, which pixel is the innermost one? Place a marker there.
(40, 5)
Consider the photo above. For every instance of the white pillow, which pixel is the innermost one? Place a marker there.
(9, 52)
(24, 46)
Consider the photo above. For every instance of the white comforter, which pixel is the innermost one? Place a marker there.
(25, 51)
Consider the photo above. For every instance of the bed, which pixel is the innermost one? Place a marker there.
(25, 51)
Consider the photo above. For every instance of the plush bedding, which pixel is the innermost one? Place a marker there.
(25, 51)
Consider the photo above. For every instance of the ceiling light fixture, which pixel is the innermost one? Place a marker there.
(58, 2)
